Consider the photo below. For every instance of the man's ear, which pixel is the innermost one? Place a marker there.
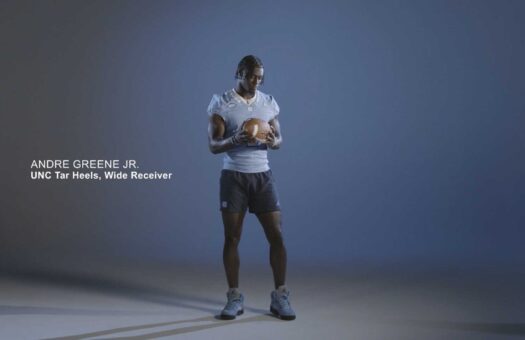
(241, 74)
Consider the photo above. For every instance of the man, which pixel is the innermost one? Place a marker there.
(246, 180)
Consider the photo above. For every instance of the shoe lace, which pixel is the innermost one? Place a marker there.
(232, 302)
(283, 301)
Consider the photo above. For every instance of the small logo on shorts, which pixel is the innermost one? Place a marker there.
(224, 204)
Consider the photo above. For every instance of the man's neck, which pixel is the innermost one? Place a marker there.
(245, 94)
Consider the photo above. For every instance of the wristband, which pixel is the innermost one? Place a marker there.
(234, 140)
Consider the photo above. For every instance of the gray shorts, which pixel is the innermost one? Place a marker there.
(256, 191)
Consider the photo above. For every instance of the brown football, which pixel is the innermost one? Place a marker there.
(256, 128)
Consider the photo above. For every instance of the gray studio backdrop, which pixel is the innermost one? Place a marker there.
(402, 123)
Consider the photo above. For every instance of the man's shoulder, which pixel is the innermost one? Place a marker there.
(227, 96)
(220, 101)
(265, 96)
(268, 100)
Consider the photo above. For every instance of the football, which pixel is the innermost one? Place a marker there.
(256, 128)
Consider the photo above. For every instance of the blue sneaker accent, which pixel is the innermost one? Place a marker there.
(280, 305)
(233, 307)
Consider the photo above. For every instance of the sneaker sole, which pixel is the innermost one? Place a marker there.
(282, 317)
(231, 317)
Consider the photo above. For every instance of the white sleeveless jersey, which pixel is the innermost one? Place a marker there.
(235, 110)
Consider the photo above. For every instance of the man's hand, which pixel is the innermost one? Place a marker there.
(241, 137)
(270, 137)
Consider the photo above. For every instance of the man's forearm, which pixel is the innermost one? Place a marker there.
(222, 145)
(277, 144)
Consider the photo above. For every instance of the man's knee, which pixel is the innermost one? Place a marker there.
(232, 240)
(276, 239)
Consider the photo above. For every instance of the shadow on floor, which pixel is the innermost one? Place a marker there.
(34, 310)
(111, 286)
(213, 322)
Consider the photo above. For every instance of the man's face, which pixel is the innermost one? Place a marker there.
(250, 81)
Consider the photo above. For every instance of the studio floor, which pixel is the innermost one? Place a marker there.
(164, 302)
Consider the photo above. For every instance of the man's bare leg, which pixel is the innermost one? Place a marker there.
(271, 223)
(230, 255)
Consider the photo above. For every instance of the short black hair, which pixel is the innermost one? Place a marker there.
(248, 64)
